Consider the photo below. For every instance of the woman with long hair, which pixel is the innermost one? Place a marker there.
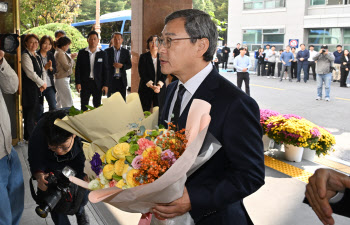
(64, 66)
(49, 62)
(33, 83)
(344, 68)
(152, 83)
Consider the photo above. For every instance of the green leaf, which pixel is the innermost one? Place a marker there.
(133, 148)
(147, 114)
(155, 133)
(123, 139)
(161, 126)
(116, 177)
(129, 159)
(131, 133)
(73, 111)
(90, 107)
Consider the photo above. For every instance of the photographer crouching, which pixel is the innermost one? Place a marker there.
(54, 155)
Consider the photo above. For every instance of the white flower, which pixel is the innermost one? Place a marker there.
(94, 185)
(103, 180)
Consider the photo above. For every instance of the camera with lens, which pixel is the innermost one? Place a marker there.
(9, 43)
(59, 189)
(323, 50)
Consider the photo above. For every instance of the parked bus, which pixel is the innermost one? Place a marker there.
(110, 23)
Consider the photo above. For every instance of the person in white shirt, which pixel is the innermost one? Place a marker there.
(271, 62)
(312, 62)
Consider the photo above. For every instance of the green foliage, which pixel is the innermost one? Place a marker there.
(88, 8)
(78, 41)
(34, 13)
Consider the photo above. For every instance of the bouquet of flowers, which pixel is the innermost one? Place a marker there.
(293, 130)
(135, 166)
(265, 114)
(139, 158)
(325, 143)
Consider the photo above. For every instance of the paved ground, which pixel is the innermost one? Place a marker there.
(279, 201)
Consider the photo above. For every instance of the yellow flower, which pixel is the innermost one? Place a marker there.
(145, 153)
(108, 171)
(119, 167)
(130, 180)
(103, 158)
(121, 150)
(109, 156)
(120, 184)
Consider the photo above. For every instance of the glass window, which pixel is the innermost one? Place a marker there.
(334, 2)
(317, 2)
(273, 38)
(84, 30)
(127, 26)
(252, 37)
(127, 40)
(346, 36)
(107, 29)
(332, 36)
(263, 4)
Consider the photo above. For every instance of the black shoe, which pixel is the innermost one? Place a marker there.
(334, 81)
(298, 81)
(82, 218)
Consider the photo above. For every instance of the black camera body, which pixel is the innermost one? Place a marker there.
(323, 50)
(58, 188)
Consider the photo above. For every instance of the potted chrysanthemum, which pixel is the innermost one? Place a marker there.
(265, 114)
(294, 132)
(325, 142)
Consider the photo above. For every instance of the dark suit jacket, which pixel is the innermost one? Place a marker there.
(50, 56)
(83, 68)
(123, 59)
(237, 170)
(342, 60)
(147, 73)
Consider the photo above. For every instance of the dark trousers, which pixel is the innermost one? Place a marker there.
(88, 89)
(279, 68)
(243, 76)
(224, 63)
(312, 65)
(50, 96)
(304, 66)
(30, 116)
(62, 219)
(117, 86)
(294, 70)
(260, 68)
(271, 68)
(343, 76)
(263, 71)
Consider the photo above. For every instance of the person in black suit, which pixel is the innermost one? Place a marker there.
(214, 193)
(344, 67)
(151, 87)
(225, 52)
(91, 72)
(118, 62)
(328, 192)
(261, 62)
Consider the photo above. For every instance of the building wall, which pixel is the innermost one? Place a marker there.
(297, 18)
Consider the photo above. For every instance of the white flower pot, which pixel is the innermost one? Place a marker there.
(267, 142)
(293, 153)
(309, 154)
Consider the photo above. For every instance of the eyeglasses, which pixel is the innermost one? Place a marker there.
(55, 148)
(166, 42)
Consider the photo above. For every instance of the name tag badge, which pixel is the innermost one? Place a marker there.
(100, 60)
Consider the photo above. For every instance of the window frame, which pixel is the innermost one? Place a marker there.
(264, 3)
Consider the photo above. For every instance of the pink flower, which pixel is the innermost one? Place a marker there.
(288, 116)
(169, 156)
(315, 132)
(143, 145)
(265, 114)
(112, 183)
(136, 163)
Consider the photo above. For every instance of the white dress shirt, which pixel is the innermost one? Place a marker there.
(312, 55)
(191, 87)
(92, 56)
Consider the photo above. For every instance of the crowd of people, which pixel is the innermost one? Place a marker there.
(214, 193)
(288, 64)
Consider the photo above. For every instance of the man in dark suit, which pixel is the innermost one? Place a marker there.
(118, 62)
(91, 72)
(328, 192)
(214, 193)
(225, 52)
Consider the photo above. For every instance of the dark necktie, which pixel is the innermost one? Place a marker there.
(177, 106)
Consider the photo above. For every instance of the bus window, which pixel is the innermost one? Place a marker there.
(127, 40)
(84, 30)
(107, 29)
(127, 26)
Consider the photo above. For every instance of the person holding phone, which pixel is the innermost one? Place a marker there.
(91, 72)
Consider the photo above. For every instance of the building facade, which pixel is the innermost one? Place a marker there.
(256, 23)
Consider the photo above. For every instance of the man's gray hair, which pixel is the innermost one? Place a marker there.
(198, 25)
